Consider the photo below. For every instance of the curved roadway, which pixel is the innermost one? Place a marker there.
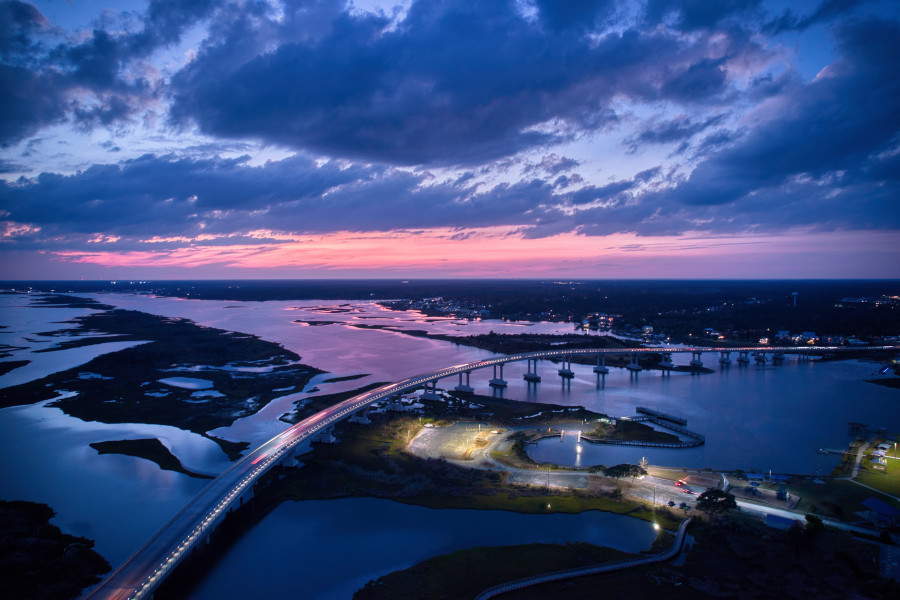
(143, 572)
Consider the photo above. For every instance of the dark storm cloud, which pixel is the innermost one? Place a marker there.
(454, 82)
(839, 122)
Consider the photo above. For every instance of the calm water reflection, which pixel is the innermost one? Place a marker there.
(329, 549)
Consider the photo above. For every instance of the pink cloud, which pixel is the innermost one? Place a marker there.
(502, 252)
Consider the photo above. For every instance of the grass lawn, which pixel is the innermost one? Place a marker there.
(887, 480)
(838, 498)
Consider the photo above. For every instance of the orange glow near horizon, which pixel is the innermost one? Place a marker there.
(499, 251)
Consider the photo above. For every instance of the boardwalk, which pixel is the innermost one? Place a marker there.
(609, 567)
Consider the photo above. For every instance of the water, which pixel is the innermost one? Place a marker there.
(25, 338)
(118, 501)
(753, 417)
(358, 539)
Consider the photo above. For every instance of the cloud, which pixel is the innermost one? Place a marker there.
(691, 15)
(842, 121)
(19, 21)
(457, 115)
(169, 196)
(826, 11)
(453, 83)
(559, 15)
(679, 129)
(553, 164)
(49, 77)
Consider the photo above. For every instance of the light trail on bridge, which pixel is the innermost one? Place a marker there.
(146, 569)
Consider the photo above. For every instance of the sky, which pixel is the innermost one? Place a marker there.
(188, 139)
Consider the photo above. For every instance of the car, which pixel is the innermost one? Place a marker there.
(679, 483)
(687, 491)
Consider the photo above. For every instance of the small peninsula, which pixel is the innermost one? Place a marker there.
(149, 449)
(40, 562)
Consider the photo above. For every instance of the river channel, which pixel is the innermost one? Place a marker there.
(755, 418)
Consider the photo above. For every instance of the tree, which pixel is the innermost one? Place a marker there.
(814, 525)
(715, 501)
(624, 470)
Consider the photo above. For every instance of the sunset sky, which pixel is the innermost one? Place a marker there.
(534, 138)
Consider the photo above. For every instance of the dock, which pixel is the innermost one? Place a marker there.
(661, 415)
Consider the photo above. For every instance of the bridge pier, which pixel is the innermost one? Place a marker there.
(497, 382)
(761, 358)
(633, 366)
(432, 394)
(725, 358)
(464, 388)
(743, 358)
(532, 376)
(566, 370)
(695, 361)
(778, 358)
(601, 368)
(666, 365)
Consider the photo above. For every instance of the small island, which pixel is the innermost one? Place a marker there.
(148, 449)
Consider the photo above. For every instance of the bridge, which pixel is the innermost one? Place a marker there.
(148, 567)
